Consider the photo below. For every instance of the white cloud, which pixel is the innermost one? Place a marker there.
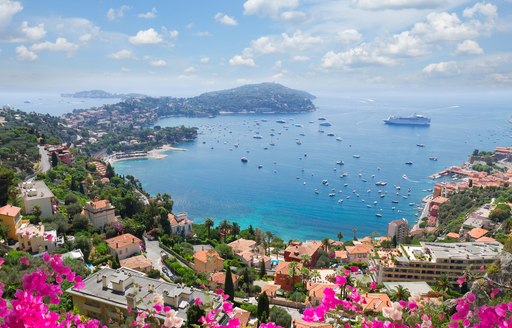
(348, 36)
(486, 9)
(299, 41)
(150, 14)
(60, 44)
(158, 63)
(443, 27)
(270, 8)
(86, 37)
(25, 54)
(7, 10)
(300, 58)
(122, 54)
(239, 60)
(355, 57)
(190, 70)
(33, 32)
(73, 28)
(395, 4)
(225, 19)
(114, 14)
(405, 44)
(293, 16)
(442, 69)
(469, 47)
(204, 60)
(149, 36)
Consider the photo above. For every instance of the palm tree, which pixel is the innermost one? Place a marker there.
(443, 283)
(354, 231)
(269, 236)
(400, 293)
(235, 229)
(224, 228)
(208, 224)
(292, 270)
(340, 235)
(315, 275)
(304, 259)
(325, 244)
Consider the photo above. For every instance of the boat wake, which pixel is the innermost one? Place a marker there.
(406, 177)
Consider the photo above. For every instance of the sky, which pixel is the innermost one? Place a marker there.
(184, 47)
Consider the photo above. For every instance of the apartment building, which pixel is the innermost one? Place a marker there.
(37, 193)
(429, 261)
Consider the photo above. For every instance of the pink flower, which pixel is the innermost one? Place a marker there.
(373, 285)
(494, 292)
(353, 268)
(470, 297)
(1, 261)
(234, 323)
(46, 257)
(394, 312)
(461, 280)
(227, 307)
(269, 325)
(25, 261)
(158, 307)
(198, 301)
(341, 280)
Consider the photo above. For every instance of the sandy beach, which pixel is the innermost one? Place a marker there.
(157, 153)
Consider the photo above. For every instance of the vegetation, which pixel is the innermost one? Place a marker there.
(280, 317)
(229, 288)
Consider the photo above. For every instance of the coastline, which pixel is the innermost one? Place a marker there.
(157, 153)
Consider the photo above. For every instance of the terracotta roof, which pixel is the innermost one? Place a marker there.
(271, 290)
(284, 268)
(296, 249)
(100, 203)
(220, 277)
(317, 290)
(340, 254)
(136, 262)
(9, 210)
(440, 200)
(298, 323)
(173, 219)
(242, 245)
(242, 315)
(203, 256)
(485, 239)
(477, 233)
(375, 301)
(453, 235)
(359, 249)
(123, 240)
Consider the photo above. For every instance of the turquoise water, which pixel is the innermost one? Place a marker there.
(209, 180)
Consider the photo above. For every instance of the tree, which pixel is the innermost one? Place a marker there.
(386, 244)
(224, 251)
(354, 230)
(325, 244)
(292, 270)
(500, 213)
(400, 293)
(263, 269)
(6, 180)
(208, 224)
(340, 235)
(263, 307)
(315, 275)
(85, 245)
(246, 278)
(280, 317)
(109, 172)
(115, 262)
(269, 236)
(224, 229)
(55, 159)
(194, 313)
(229, 288)
(80, 223)
(235, 229)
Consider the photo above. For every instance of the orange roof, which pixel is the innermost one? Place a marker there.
(136, 262)
(317, 290)
(123, 240)
(375, 302)
(485, 239)
(453, 235)
(242, 245)
(296, 249)
(284, 267)
(340, 254)
(477, 233)
(270, 290)
(203, 256)
(9, 210)
(440, 200)
(366, 240)
(174, 221)
(220, 277)
(100, 203)
(359, 249)
(242, 315)
(298, 323)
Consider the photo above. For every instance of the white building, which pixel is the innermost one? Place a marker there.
(35, 239)
(100, 213)
(180, 223)
(36, 193)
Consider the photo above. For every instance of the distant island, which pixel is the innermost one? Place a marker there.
(100, 94)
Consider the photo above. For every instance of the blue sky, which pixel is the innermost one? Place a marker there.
(187, 47)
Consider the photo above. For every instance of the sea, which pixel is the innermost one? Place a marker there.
(306, 181)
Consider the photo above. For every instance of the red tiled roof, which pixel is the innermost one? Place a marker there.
(9, 210)
(485, 239)
(477, 233)
(123, 240)
(284, 268)
(359, 249)
(203, 255)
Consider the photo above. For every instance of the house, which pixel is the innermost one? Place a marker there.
(124, 245)
(180, 224)
(247, 251)
(270, 290)
(208, 261)
(341, 256)
(36, 193)
(139, 263)
(285, 277)
(10, 216)
(108, 294)
(242, 315)
(375, 302)
(485, 239)
(100, 213)
(476, 233)
(217, 280)
(75, 254)
(452, 235)
(34, 239)
(316, 292)
(297, 251)
(359, 252)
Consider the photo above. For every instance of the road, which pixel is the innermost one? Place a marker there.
(153, 253)
(45, 161)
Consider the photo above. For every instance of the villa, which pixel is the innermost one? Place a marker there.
(124, 246)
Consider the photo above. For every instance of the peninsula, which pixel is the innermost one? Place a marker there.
(100, 94)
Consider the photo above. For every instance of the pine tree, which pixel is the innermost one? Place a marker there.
(110, 171)
(263, 270)
(115, 263)
(263, 307)
(229, 288)
(55, 159)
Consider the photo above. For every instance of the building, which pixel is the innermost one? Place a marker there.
(75, 254)
(297, 251)
(420, 288)
(34, 239)
(476, 233)
(341, 256)
(124, 246)
(429, 261)
(398, 229)
(242, 315)
(108, 293)
(218, 279)
(139, 263)
(100, 213)
(208, 261)
(247, 251)
(316, 292)
(10, 216)
(284, 276)
(374, 302)
(359, 252)
(180, 224)
(36, 193)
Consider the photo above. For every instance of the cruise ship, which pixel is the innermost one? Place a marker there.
(408, 120)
